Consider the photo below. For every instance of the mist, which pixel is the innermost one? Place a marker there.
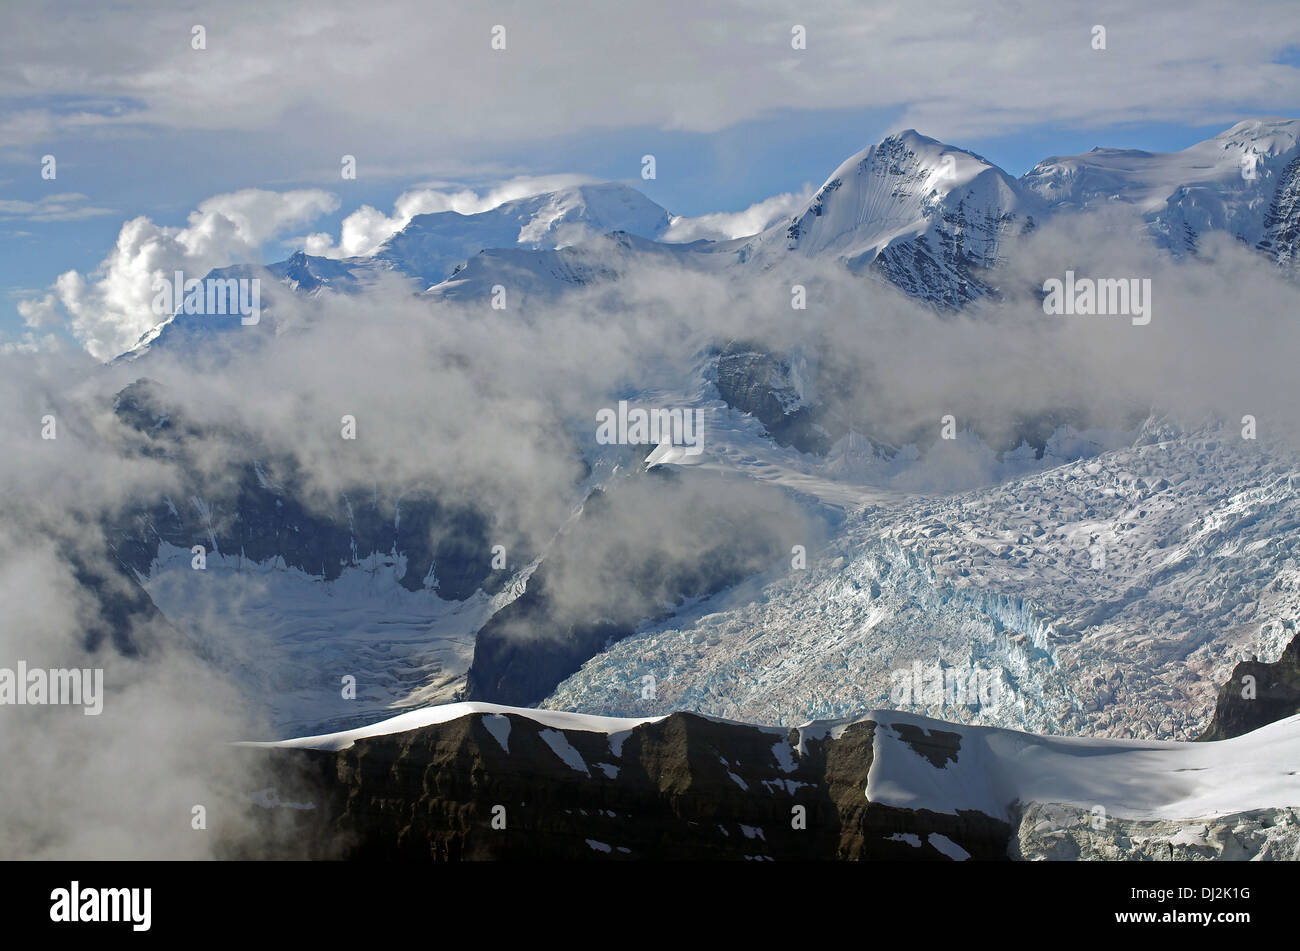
(496, 410)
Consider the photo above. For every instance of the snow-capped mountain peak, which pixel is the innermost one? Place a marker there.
(926, 215)
(1224, 183)
(1264, 137)
(897, 189)
(432, 245)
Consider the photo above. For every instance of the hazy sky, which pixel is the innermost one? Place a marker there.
(141, 124)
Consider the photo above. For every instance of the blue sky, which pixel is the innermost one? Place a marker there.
(142, 124)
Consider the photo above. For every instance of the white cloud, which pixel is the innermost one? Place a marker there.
(40, 312)
(395, 79)
(110, 308)
(68, 206)
(31, 343)
(722, 225)
(363, 231)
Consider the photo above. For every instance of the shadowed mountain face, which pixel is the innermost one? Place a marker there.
(766, 386)
(684, 787)
(1257, 694)
(1281, 237)
(753, 381)
(636, 552)
(445, 547)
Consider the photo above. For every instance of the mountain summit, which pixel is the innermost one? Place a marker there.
(1226, 183)
(927, 215)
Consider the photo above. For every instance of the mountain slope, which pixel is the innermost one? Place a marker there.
(928, 217)
(1226, 183)
(431, 246)
(486, 781)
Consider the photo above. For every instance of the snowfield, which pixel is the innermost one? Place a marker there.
(290, 637)
(996, 772)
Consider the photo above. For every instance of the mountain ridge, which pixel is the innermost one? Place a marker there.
(924, 216)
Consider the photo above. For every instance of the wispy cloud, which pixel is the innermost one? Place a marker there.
(67, 206)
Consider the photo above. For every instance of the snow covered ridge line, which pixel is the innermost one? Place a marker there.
(920, 763)
(57, 686)
(445, 713)
(882, 785)
(930, 218)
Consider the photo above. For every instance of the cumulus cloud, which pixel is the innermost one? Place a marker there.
(723, 225)
(111, 307)
(38, 312)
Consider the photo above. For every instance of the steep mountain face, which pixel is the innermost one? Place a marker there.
(926, 216)
(481, 781)
(683, 787)
(441, 547)
(1227, 183)
(1281, 238)
(751, 380)
(1257, 694)
(307, 272)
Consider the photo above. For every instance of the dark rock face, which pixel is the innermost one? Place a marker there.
(1276, 695)
(682, 788)
(753, 381)
(446, 546)
(596, 586)
(944, 276)
(125, 609)
(515, 667)
(1281, 239)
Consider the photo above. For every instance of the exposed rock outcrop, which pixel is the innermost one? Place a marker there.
(1257, 694)
(502, 786)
